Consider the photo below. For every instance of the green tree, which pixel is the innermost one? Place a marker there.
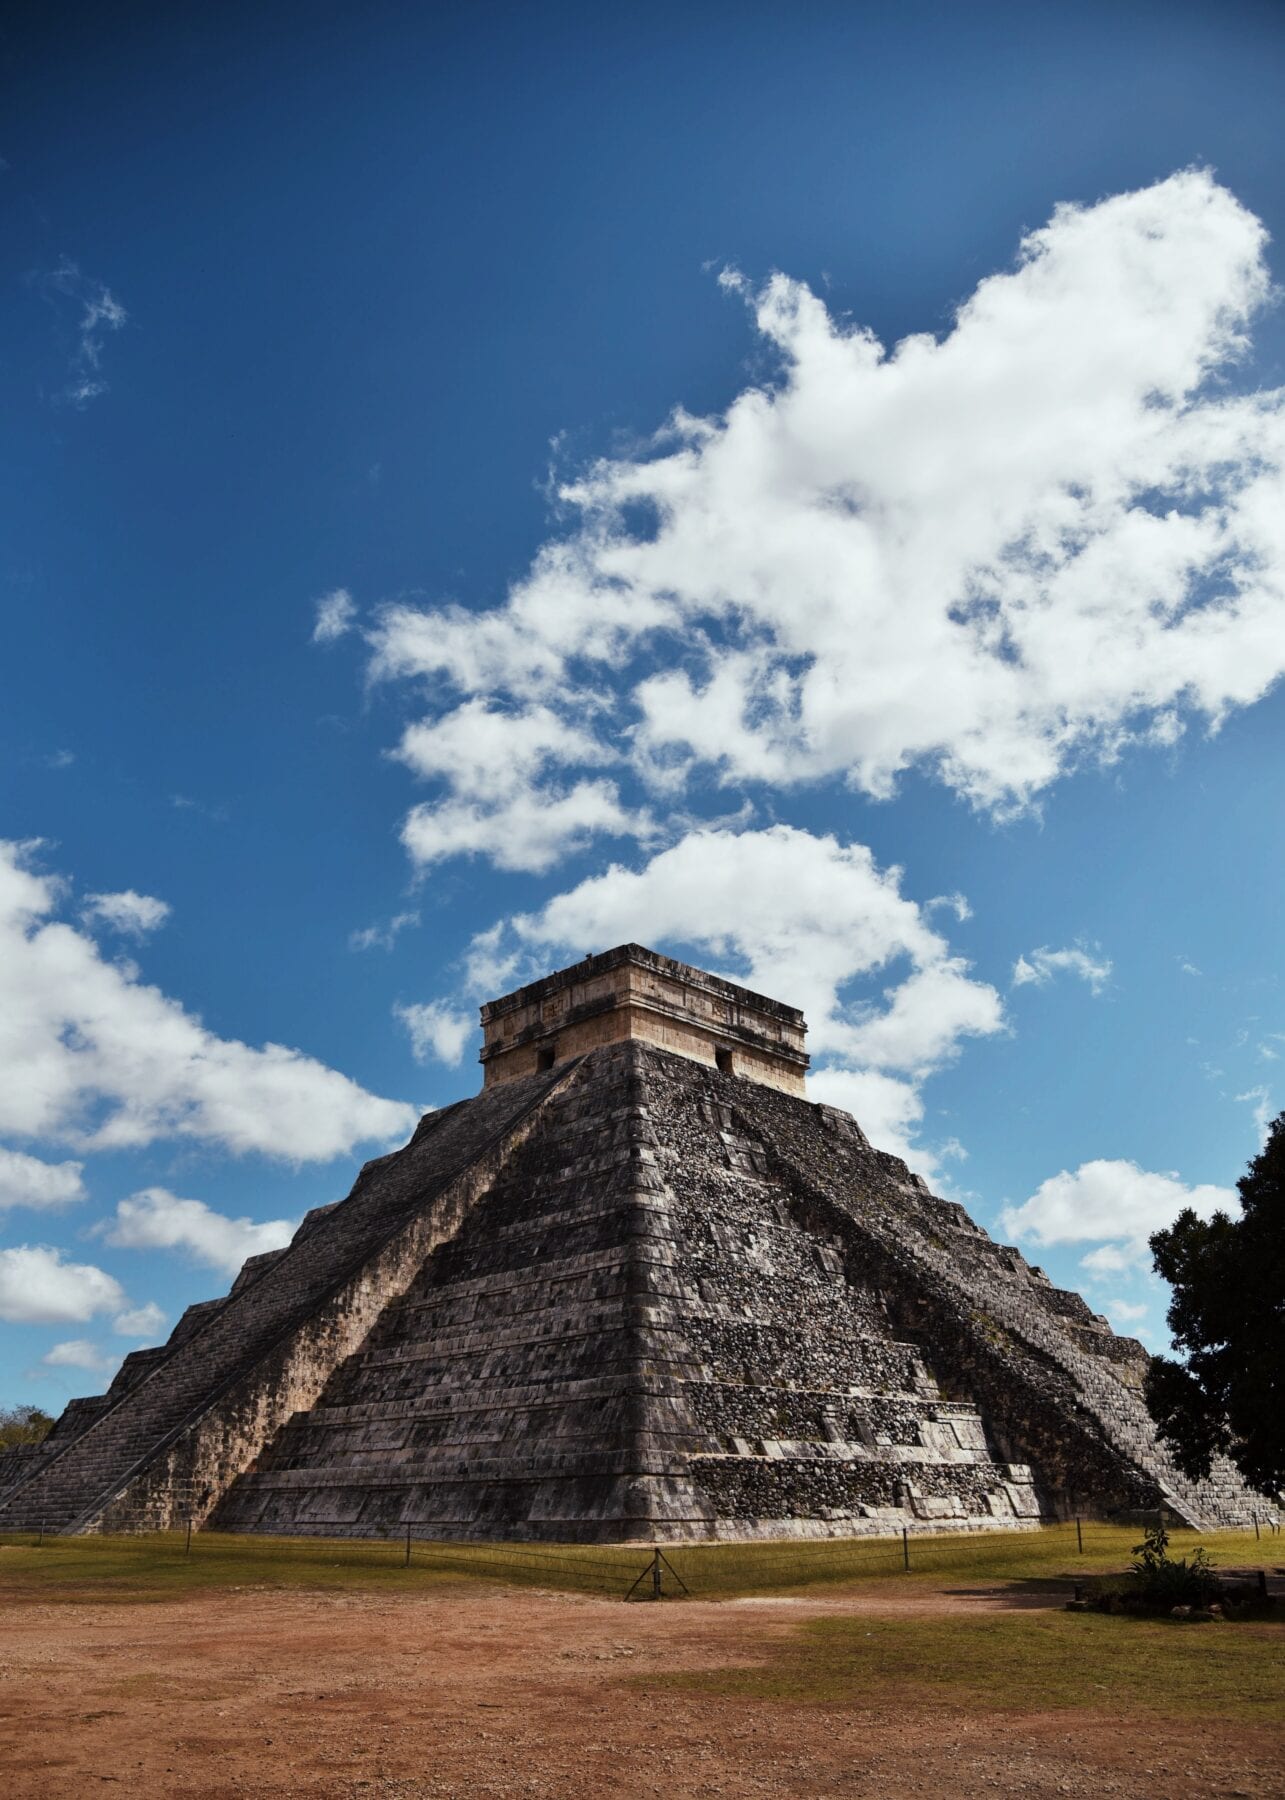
(1228, 1316)
(23, 1425)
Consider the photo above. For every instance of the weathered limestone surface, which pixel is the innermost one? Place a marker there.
(1049, 1385)
(632, 1297)
(633, 993)
(181, 1422)
(519, 1387)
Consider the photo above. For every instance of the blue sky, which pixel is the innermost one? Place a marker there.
(470, 499)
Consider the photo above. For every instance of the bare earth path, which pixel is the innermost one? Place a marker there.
(473, 1690)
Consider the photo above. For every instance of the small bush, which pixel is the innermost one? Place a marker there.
(1163, 1581)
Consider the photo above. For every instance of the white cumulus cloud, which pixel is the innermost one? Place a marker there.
(531, 830)
(133, 915)
(503, 799)
(488, 753)
(80, 1353)
(38, 1288)
(437, 1030)
(1112, 1203)
(91, 1054)
(1127, 1312)
(1048, 534)
(155, 1219)
(139, 1321)
(1039, 968)
(26, 1181)
(805, 919)
(888, 1108)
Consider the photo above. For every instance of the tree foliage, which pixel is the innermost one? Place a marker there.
(23, 1425)
(1228, 1316)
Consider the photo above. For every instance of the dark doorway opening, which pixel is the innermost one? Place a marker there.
(724, 1060)
(544, 1058)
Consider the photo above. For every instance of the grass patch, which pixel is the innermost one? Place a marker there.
(1050, 1555)
(1005, 1662)
(155, 1566)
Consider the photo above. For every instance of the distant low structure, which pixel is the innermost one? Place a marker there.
(638, 1287)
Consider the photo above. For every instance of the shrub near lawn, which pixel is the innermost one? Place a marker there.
(1182, 1587)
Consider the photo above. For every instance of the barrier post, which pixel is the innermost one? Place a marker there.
(1079, 1535)
(905, 1546)
(407, 1564)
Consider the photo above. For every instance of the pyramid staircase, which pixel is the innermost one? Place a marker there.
(630, 1297)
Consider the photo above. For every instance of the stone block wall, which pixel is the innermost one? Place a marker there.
(634, 1297)
(166, 1441)
(630, 993)
(514, 1389)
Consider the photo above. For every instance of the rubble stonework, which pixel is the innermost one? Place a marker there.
(631, 1296)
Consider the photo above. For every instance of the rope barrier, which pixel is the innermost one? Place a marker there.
(708, 1568)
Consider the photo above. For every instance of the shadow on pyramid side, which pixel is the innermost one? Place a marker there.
(628, 1296)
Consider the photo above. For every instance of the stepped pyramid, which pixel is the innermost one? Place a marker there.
(639, 1287)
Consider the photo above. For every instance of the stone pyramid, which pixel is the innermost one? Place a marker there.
(638, 1287)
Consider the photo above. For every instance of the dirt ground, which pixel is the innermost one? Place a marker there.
(472, 1690)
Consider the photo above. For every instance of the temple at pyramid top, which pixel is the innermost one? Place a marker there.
(630, 992)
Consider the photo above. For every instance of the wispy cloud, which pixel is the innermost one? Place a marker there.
(99, 314)
(133, 915)
(956, 903)
(1040, 966)
(186, 803)
(335, 613)
(382, 937)
(1260, 1098)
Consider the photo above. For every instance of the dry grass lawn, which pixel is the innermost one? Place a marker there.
(312, 1669)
